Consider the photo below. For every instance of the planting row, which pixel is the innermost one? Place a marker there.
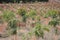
(20, 19)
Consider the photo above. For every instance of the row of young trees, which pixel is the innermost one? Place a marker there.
(22, 1)
(38, 28)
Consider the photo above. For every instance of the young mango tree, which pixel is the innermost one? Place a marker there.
(32, 14)
(9, 17)
(54, 14)
(55, 20)
(38, 31)
(23, 13)
(12, 25)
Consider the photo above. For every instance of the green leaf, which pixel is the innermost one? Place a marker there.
(53, 22)
(46, 29)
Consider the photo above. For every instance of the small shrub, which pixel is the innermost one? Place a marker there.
(12, 26)
(52, 13)
(22, 12)
(32, 13)
(24, 18)
(39, 30)
(8, 15)
(54, 22)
